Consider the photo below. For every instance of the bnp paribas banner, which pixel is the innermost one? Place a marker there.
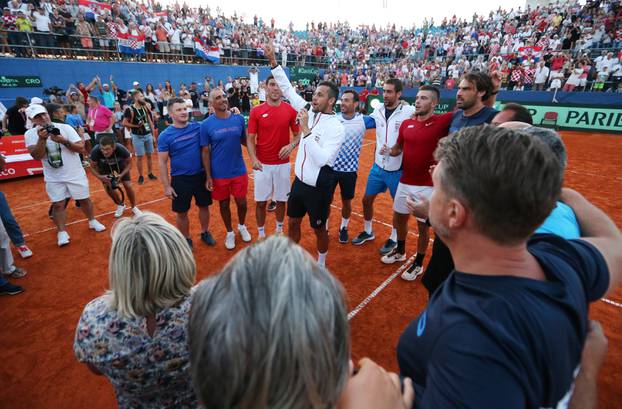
(573, 117)
(568, 117)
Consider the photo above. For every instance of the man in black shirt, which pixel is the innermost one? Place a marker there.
(194, 96)
(139, 120)
(111, 163)
(508, 327)
(14, 121)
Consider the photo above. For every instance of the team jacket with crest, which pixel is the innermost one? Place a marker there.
(327, 135)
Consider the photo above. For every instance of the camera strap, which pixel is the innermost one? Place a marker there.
(55, 159)
(116, 161)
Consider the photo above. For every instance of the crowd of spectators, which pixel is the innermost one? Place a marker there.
(579, 45)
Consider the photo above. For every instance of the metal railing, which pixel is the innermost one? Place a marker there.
(63, 46)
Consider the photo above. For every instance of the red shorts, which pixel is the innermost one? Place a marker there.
(224, 188)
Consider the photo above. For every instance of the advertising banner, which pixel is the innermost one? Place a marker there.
(18, 160)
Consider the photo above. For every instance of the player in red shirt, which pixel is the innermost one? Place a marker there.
(269, 147)
(417, 141)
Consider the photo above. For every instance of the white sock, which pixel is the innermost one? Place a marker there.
(241, 226)
(321, 258)
(368, 226)
(262, 231)
(344, 223)
(279, 227)
(394, 235)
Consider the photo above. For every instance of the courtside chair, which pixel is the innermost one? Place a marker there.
(550, 119)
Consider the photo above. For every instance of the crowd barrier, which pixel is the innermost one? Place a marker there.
(600, 111)
(19, 163)
(574, 111)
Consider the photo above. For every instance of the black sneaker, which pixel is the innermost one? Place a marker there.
(343, 235)
(141, 180)
(10, 289)
(189, 241)
(362, 238)
(151, 176)
(272, 206)
(388, 246)
(206, 237)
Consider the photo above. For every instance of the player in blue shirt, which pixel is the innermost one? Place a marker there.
(222, 135)
(507, 328)
(180, 143)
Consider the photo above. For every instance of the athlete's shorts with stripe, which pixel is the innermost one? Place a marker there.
(405, 191)
(347, 184)
(227, 187)
(379, 180)
(314, 201)
(272, 182)
(188, 186)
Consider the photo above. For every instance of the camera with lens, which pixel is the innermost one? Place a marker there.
(114, 181)
(52, 130)
(53, 91)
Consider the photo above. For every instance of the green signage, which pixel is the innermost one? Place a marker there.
(19, 81)
(564, 117)
(572, 117)
(446, 105)
(303, 75)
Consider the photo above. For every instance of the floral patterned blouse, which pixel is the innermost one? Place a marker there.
(146, 371)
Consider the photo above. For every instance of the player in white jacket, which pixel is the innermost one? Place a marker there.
(322, 137)
(387, 170)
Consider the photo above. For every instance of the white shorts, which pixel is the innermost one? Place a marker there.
(272, 182)
(77, 189)
(404, 191)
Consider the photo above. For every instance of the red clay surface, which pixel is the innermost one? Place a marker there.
(38, 367)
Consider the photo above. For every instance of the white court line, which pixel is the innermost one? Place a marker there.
(48, 201)
(611, 302)
(381, 287)
(375, 220)
(96, 216)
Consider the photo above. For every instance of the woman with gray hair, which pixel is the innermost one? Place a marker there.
(271, 331)
(136, 333)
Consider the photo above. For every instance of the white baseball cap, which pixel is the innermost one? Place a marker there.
(136, 83)
(36, 100)
(34, 110)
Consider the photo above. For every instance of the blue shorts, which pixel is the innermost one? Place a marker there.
(142, 144)
(379, 180)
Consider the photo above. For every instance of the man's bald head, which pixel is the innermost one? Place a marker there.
(215, 93)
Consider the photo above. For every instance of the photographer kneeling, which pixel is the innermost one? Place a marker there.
(111, 163)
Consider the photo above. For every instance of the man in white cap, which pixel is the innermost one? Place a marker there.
(58, 146)
(33, 101)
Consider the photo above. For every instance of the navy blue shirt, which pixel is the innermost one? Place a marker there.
(183, 147)
(224, 137)
(501, 341)
(484, 116)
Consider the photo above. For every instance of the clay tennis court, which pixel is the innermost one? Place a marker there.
(38, 367)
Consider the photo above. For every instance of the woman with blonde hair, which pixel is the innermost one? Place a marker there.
(135, 333)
